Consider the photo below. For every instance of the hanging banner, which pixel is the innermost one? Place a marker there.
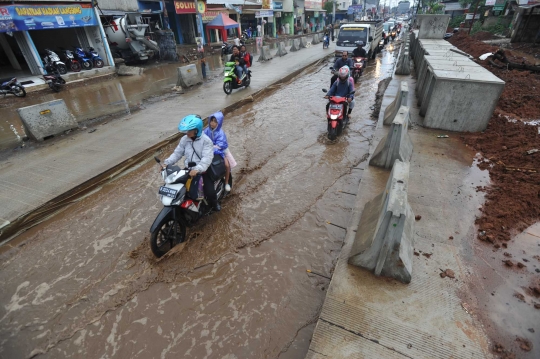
(211, 15)
(264, 13)
(43, 17)
(188, 7)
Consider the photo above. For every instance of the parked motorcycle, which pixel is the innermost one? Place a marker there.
(70, 61)
(10, 85)
(55, 81)
(179, 211)
(81, 57)
(230, 80)
(337, 116)
(52, 62)
(326, 42)
(94, 57)
(359, 65)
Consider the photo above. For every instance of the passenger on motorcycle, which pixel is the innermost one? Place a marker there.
(342, 88)
(359, 51)
(343, 61)
(248, 58)
(198, 148)
(221, 146)
(239, 62)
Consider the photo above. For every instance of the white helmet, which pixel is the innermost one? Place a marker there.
(344, 73)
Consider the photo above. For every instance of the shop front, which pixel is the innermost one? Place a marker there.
(27, 29)
(314, 15)
(184, 23)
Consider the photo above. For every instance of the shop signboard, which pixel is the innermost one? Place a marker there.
(188, 7)
(278, 5)
(490, 2)
(313, 5)
(266, 4)
(42, 17)
(264, 13)
(211, 15)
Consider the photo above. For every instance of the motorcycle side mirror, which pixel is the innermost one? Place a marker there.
(331, 68)
(191, 164)
(324, 90)
(157, 159)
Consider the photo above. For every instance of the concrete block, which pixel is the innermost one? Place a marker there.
(315, 39)
(303, 42)
(460, 100)
(295, 45)
(265, 54)
(46, 119)
(404, 68)
(396, 145)
(124, 70)
(432, 26)
(400, 100)
(188, 76)
(443, 64)
(385, 236)
(281, 51)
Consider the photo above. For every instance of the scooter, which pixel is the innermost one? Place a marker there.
(94, 57)
(52, 62)
(55, 81)
(85, 62)
(358, 70)
(179, 211)
(70, 61)
(230, 80)
(10, 85)
(336, 116)
(326, 42)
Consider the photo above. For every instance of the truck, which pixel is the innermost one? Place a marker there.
(126, 37)
(370, 32)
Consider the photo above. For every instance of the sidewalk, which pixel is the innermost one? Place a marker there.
(375, 317)
(31, 178)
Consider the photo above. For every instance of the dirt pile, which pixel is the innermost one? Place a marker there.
(513, 199)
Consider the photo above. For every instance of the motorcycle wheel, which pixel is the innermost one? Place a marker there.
(227, 87)
(332, 133)
(247, 81)
(62, 69)
(18, 91)
(87, 65)
(75, 67)
(54, 87)
(339, 128)
(98, 64)
(163, 239)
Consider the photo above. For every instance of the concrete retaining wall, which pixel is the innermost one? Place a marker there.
(432, 26)
(400, 100)
(188, 76)
(46, 119)
(385, 236)
(396, 145)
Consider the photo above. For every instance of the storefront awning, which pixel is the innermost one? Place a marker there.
(111, 12)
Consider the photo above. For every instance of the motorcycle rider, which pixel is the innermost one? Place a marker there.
(360, 52)
(239, 63)
(343, 61)
(342, 88)
(248, 58)
(198, 148)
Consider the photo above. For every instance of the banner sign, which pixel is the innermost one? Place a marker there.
(490, 2)
(264, 13)
(42, 17)
(188, 7)
(211, 15)
(266, 4)
(313, 5)
(278, 5)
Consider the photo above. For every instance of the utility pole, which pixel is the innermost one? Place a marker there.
(472, 21)
(198, 18)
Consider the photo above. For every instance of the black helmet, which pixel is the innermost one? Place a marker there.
(360, 43)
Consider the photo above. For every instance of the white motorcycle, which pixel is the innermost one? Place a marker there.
(180, 211)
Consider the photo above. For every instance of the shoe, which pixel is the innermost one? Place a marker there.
(243, 77)
(217, 207)
(227, 187)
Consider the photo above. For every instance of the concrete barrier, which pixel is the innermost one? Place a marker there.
(46, 119)
(295, 45)
(188, 76)
(404, 66)
(385, 236)
(281, 51)
(400, 100)
(265, 54)
(432, 26)
(396, 145)
(315, 40)
(303, 42)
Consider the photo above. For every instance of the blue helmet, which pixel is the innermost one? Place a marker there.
(191, 122)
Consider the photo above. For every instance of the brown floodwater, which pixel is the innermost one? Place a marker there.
(84, 284)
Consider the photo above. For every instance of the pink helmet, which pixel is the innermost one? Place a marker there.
(343, 73)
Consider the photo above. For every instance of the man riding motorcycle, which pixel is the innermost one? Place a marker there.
(198, 148)
(343, 61)
(237, 58)
(342, 88)
(360, 52)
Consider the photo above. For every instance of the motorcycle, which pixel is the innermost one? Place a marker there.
(359, 65)
(336, 116)
(180, 211)
(70, 61)
(10, 85)
(55, 81)
(229, 81)
(226, 49)
(94, 57)
(81, 57)
(52, 62)
(326, 42)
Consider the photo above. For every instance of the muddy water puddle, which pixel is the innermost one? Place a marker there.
(85, 283)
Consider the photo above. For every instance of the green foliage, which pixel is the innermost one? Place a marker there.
(456, 21)
(498, 28)
(477, 26)
(328, 6)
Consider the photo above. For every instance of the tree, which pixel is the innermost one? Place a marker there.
(329, 6)
(434, 7)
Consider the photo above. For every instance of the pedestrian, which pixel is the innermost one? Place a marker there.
(249, 32)
(259, 30)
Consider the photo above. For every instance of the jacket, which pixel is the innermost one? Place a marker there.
(247, 58)
(218, 136)
(200, 151)
(359, 52)
(340, 63)
(238, 58)
(342, 89)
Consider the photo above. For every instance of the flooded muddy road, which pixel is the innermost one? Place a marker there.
(85, 285)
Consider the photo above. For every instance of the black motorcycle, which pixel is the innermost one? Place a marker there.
(70, 60)
(10, 85)
(55, 81)
(52, 62)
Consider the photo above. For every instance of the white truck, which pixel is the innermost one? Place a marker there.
(126, 36)
(370, 32)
